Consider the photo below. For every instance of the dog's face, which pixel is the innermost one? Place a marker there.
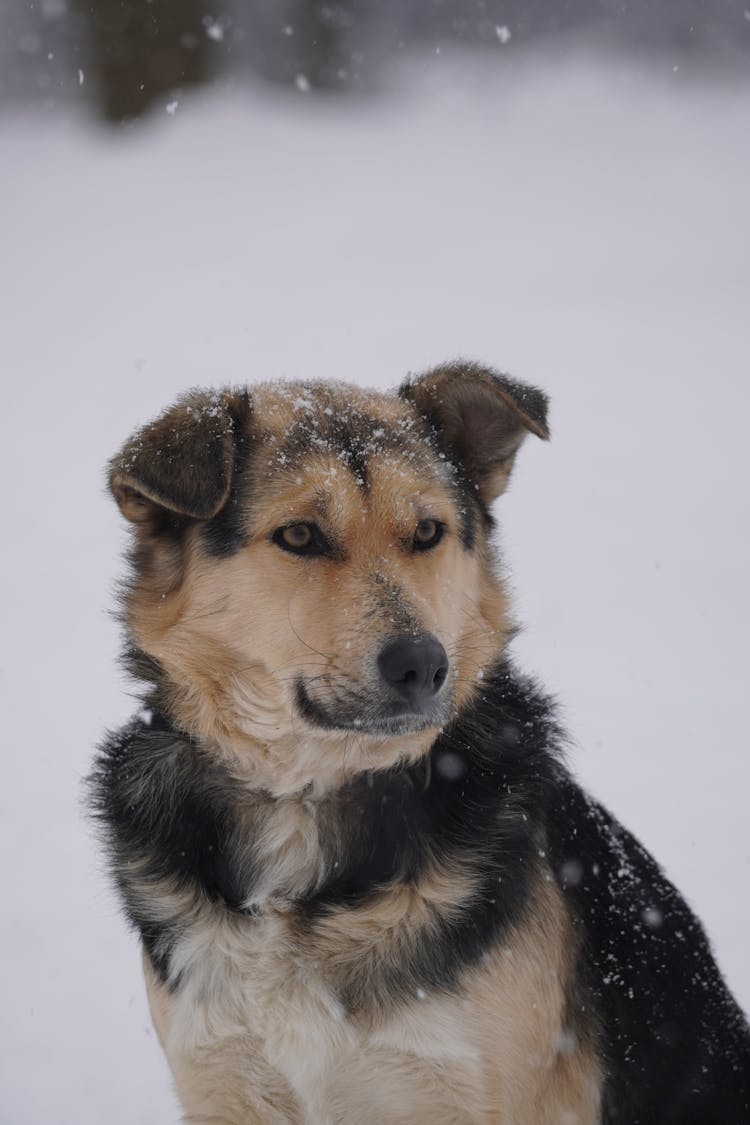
(312, 575)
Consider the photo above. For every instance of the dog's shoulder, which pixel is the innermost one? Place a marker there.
(166, 813)
(671, 1030)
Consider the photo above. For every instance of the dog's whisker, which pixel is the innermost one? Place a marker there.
(301, 639)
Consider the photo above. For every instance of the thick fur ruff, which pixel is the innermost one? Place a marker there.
(378, 910)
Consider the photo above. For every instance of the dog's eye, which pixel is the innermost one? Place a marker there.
(297, 535)
(301, 539)
(427, 533)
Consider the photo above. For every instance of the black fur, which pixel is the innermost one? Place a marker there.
(167, 811)
(677, 1045)
(494, 799)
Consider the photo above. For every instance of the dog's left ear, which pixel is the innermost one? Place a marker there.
(480, 419)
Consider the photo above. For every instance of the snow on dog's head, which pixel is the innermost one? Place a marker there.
(312, 590)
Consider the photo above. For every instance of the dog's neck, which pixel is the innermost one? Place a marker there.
(279, 832)
(253, 848)
(301, 764)
(261, 743)
(309, 765)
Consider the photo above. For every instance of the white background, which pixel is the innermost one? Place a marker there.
(579, 224)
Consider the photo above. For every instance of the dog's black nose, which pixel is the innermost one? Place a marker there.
(416, 668)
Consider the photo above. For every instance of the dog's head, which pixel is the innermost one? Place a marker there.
(312, 581)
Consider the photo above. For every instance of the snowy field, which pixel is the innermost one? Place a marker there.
(579, 224)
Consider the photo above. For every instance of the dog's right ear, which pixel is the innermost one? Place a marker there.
(181, 463)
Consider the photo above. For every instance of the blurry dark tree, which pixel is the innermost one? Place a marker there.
(127, 55)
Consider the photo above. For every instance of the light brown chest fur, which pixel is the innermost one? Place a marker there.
(255, 1032)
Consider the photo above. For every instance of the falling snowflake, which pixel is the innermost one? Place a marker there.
(653, 917)
(450, 766)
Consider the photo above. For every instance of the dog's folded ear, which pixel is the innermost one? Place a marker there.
(480, 419)
(182, 462)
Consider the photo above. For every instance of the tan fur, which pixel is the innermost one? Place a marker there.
(350, 943)
(518, 999)
(500, 1051)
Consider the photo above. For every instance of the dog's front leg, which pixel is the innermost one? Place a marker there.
(227, 1082)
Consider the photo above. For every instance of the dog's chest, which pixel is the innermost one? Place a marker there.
(252, 979)
(259, 979)
(247, 971)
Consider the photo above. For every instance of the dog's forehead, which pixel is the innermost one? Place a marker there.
(358, 428)
(321, 409)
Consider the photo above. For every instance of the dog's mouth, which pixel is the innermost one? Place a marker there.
(387, 717)
(409, 690)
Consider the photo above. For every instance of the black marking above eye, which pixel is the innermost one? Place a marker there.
(302, 538)
(427, 534)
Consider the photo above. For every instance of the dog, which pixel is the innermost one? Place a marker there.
(366, 887)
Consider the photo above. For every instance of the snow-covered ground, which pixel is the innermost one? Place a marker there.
(581, 225)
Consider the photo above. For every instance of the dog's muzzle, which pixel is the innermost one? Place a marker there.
(409, 694)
